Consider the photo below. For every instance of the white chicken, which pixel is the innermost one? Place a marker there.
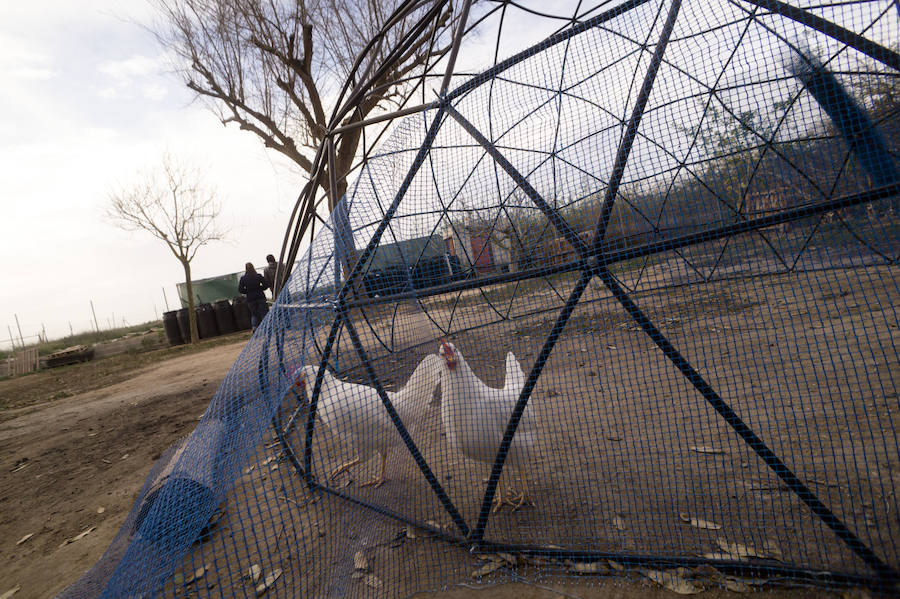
(475, 417)
(356, 413)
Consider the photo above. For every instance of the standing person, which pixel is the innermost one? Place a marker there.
(269, 273)
(252, 284)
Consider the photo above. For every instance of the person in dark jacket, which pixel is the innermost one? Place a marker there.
(253, 284)
(269, 272)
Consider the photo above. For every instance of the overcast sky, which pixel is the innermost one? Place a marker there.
(86, 103)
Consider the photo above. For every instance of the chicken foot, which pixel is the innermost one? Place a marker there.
(344, 467)
(379, 480)
(501, 499)
(523, 497)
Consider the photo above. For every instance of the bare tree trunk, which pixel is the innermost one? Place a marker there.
(192, 313)
(345, 245)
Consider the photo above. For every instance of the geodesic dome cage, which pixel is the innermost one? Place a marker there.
(622, 303)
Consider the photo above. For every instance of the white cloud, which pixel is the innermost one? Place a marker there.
(129, 68)
(23, 59)
(136, 76)
(154, 91)
(33, 73)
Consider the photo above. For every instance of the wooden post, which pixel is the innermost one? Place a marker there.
(18, 326)
(96, 326)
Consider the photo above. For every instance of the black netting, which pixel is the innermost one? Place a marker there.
(652, 261)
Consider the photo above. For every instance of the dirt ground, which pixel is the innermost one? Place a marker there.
(76, 463)
(73, 461)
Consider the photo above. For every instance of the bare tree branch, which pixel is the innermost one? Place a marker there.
(270, 65)
(171, 204)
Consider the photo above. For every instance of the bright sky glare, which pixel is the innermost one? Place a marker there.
(87, 103)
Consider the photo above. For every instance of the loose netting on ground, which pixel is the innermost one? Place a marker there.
(623, 302)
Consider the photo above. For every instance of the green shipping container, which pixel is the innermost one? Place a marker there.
(209, 291)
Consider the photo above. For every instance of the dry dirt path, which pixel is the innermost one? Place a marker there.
(76, 464)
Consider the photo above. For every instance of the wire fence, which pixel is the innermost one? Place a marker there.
(624, 303)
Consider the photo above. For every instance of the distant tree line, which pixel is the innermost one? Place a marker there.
(744, 168)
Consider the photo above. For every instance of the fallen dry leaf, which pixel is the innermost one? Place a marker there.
(254, 573)
(372, 581)
(672, 582)
(719, 556)
(619, 522)
(198, 574)
(736, 586)
(705, 449)
(10, 592)
(410, 532)
(489, 567)
(704, 524)
(268, 582)
(357, 575)
(736, 550)
(25, 538)
(536, 560)
(359, 561)
(101, 509)
(434, 524)
(587, 567)
(79, 536)
(509, 558)
(616, 566)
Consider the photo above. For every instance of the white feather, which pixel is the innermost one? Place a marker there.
(357, 414)
(475, 416)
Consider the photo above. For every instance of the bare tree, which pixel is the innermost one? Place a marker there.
(171, 203)
(273, 66)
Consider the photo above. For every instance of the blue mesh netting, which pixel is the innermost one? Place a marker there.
(681, 223)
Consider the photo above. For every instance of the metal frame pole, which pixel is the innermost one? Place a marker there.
(883, 55)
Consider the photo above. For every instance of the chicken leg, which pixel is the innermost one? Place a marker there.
(500, 499)
(379, 480)
(344, 467)
(524, 496)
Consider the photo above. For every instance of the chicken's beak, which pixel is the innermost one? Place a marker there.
(448, 354)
